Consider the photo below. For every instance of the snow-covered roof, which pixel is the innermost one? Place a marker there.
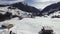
(8, 25)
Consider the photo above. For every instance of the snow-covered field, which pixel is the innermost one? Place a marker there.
(33, 25)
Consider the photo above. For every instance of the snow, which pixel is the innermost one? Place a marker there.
(15, 11)
(33, 25)
(4, 31)
(47, 28)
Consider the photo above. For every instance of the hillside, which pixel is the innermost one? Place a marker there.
(51, 9)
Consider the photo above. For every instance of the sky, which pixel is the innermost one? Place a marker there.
(36, 3)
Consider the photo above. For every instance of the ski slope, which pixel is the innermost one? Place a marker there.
(33, 25)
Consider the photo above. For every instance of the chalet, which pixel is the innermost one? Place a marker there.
(5, 28)
(47, 30)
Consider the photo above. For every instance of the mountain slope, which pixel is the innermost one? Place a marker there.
(51, 9)
(18, 10)
(26, 8)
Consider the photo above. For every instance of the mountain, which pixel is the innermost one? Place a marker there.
(26, 8)
(19, 10)
(6, 13)
(51, 9)
(1, 5)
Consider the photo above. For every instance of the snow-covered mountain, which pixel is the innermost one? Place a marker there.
(11, 13)
(19, 10)
(24, 7)
(22, 10)
(53, 8)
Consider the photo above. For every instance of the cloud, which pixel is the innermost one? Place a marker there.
(9, 1)
(40, 5)
(36, 3)
(40, 0)
(44, 0)
(43, 3)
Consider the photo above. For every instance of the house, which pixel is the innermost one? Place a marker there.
(47, 30)
(5, 28)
